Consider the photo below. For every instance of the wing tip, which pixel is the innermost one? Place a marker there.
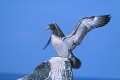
(108, 17)
(43, 48)
(104, 19)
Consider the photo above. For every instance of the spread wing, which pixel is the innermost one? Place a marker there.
(48, 42)
(83, 27)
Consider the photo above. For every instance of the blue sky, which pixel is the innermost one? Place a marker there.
(22, 35)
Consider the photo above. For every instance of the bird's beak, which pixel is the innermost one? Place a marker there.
(48, 28)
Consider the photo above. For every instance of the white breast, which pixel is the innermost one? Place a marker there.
(59, 45)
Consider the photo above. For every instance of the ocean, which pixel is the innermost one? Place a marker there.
(8, 76)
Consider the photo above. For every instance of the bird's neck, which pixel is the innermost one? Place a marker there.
(55, 32)
(58, 33)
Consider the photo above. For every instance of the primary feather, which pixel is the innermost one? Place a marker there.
(83, 27)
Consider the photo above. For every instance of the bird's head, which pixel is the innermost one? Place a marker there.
(55, 29)
(51, 26)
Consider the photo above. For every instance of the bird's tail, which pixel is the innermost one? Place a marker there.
(75, 62)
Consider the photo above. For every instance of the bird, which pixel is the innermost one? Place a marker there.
(64, 45)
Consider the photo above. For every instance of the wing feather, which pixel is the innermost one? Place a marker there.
(48, 42)
(83, 27)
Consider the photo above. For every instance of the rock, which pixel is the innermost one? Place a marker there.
(56, 68)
